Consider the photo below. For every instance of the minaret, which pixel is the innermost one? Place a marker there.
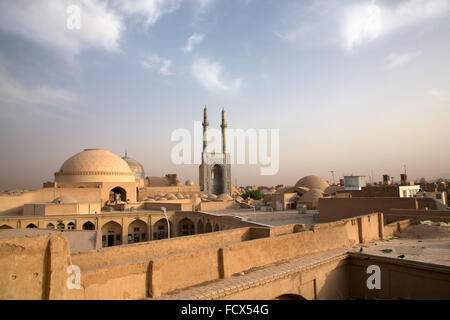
(205, 129)
(224, 138)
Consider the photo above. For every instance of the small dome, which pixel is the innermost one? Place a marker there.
(135, 166)
(190, 182)
(312, 196)
(170, 196)
(179, 195)
(212, 197)
(224, 197)
(312, 182)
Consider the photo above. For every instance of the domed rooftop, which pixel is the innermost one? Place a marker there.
(312, 196)
(95, 165)
(135, 166)
(190, 182)
(312, 182)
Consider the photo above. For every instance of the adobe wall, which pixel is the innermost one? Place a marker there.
(152, 249)
(33, 267)
(393, 215)
(153, 268)
(152, 191)
(176, 205)
(332, 209)
(392, 228)
(50, 209)
(217, 205)
(399, 279)
(13, 205)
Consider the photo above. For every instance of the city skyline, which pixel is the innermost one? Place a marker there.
(352, 86)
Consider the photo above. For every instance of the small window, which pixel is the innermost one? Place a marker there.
(438, 196)
(143, 236)
(110, 230)
(118, 237)
(103, 238)
(160, 227)
(129, 237)
(136, 229)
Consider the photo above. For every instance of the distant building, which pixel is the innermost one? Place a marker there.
(215, 172)
(354, 182)
(408, 191)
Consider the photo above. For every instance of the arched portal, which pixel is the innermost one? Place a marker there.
(117, 195)
(137, 231)
(88, 226)
(160, 230)
(6, 227)
(208, 227)
(71, 226)
(216, 227)
(31, 226)
(60, 226)
(186, 227)
(50, 226)
(200, 227)
(111, 234)
(217, 179)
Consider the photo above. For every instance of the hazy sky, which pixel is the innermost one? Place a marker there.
(351, 85)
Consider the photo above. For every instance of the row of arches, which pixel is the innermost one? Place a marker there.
(138, 230)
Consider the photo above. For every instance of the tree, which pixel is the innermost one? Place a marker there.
(253, 194)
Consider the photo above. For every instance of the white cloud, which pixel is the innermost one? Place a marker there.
(324, 22)
(399, 59)
(45, 22)
(193, 40)
(156, 62)
(210, 75)
(364, 23)
(149, 10)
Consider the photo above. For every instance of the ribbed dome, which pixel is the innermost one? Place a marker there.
(95, 165)
(312, 182)
(135, 166)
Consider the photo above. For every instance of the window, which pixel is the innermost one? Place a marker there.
(136, 229)
(110, 230)
(71, 226)
(118, 237)
(160, 227)
(438, 196)
(143, 236)
(129, 237)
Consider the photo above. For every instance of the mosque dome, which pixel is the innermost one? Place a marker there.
(312, 196)
(135, 166)
(95, 165)
(190, 182)
(312, 182)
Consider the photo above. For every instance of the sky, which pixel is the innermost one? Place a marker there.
(355, 87)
